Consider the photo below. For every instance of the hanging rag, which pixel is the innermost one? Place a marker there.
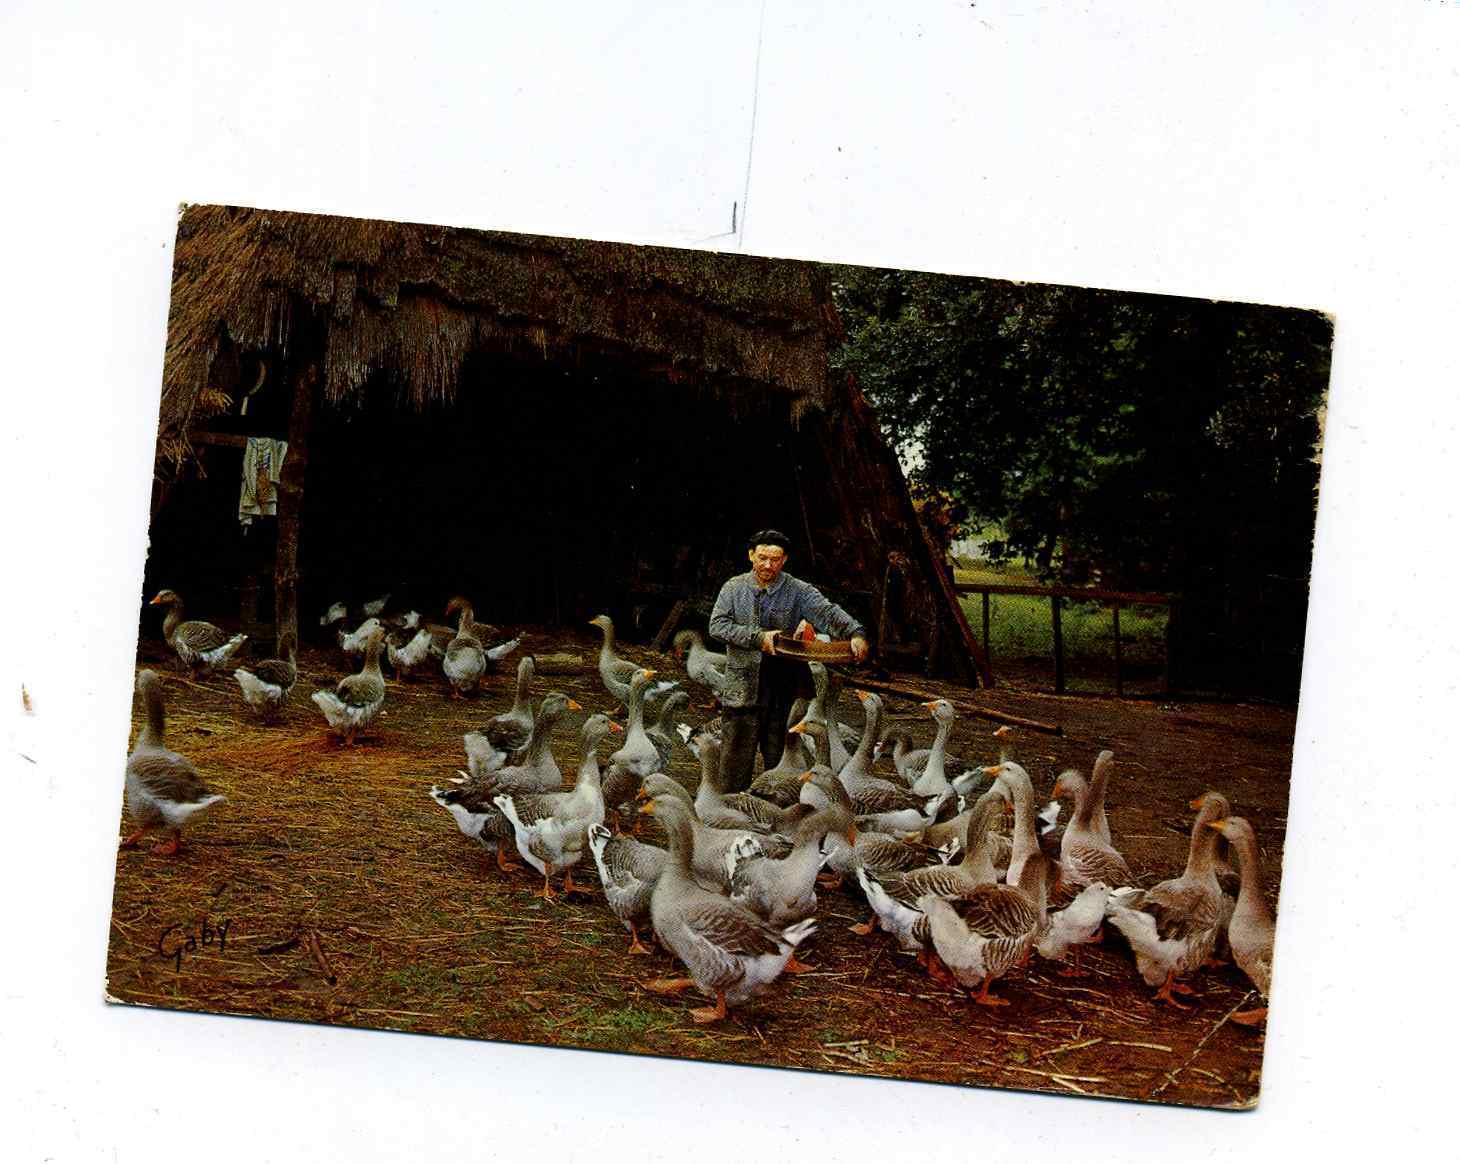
(263, 458)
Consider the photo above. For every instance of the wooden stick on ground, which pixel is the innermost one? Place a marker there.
(890, 688)
(317, 951)
(1221, 1022)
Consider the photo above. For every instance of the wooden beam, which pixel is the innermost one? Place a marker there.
(884, 608)
(943, 579)
(1059, 643)
(888, 687)
(230, 440)
(291, 504)
(671, 620)
(1076, 593)
(988, 650)
(1115, 620)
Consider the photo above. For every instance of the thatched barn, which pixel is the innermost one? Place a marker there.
(552, 426)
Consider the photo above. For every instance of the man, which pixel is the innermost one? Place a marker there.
(760, 689)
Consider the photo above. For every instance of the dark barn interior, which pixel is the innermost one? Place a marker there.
(546, 494)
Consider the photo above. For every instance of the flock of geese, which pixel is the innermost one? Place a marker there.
(919, 834)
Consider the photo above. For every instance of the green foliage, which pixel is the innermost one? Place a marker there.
(1134, 440)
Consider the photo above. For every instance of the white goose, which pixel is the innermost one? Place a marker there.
(1173, 927)
(466, 659)
(551, 828)
(356, 699)
(163, 788)
(266, 685)
(201, 646)
(731, 954)
(504, 736)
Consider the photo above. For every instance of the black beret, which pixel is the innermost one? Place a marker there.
(769, 537)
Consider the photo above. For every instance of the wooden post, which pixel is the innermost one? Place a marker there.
(671, 620)
(1171, 615)
(988, 651)
(291, 505)
(248, 606)
(935, 643)
(1059, 645)
(1115, 620)
(884, 608)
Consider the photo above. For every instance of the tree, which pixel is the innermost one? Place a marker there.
(1148, 441)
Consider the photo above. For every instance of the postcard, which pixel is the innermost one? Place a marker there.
(718, 657)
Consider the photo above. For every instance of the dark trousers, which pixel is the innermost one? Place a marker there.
(761, 726)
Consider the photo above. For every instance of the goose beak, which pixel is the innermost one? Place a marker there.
(851, 834)
(1001, 732)
(647, 808)
(805, 777)
(613, 727)
(156, 601)
(991, 770)
(1216, 824)
(800, 728)
(642, 794)
(863, 695)
(574, 705)
(649, 673)
(930, 704)
(1199, 801)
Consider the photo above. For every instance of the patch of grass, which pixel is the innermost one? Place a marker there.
(630, 1020)
(1020, 627)
(410, 980)
(617, 1027)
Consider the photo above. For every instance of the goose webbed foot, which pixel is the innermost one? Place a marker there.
(1169, 989)
(668, 985)
(710, 1014)
(169, 847)
(939, 972)
(569, 888)
(984, 998)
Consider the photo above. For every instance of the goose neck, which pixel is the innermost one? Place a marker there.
(156, 726)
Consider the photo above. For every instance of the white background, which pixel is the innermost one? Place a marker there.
(1303, 153)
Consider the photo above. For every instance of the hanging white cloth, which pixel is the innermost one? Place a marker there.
(263, 459)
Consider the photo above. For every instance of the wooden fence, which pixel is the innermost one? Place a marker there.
(1057, 596)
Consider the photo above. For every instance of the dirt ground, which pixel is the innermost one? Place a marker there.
(331, 889)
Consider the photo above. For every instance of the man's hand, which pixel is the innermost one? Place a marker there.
(859, 648)
(768, 642)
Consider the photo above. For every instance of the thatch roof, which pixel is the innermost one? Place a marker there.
(396, 310)
(411, 301)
